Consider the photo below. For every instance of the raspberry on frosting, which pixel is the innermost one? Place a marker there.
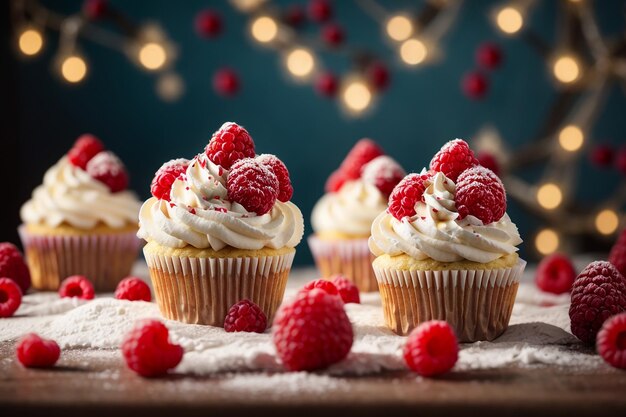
(407, 194)
(229, 144)
(453, 158)
(165, 176)
(480, 193)
(253, 185)
(12, 265)
(109, 170)
(279, 169)
(86, 147)
(361, 153)
(384, 173)
(245, 316)
(336, 180)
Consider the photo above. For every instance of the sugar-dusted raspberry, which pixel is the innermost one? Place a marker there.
(35, 352)
(598, 293)
(109, 170)
(347, 290)
(431, 348)
(312, 331)
(453, 158)
(617, 256)
(229, 144)
(148, 351)
(165, 177)
(611, 341)
(12, 265)
(77, 286)
(10, 297)
(322, 284)
(336, 180)
(407, 194)
(384, 173)
(480, 193)
(489, 161)
(555, 274)
(361, 153)
(86, 147)
(282, 175)
(245, 316)
(133, 289)
(253, 185)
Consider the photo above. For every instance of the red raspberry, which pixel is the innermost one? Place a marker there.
(245, 316)
(12, 265)
(407, 194)
(86, 147)
(489, 56)
(320, 10)
(431, 348)
(148, 351)
(489, 161)
(602, 155)
(208, 23)
(95, 9)
(599, 292)
(312, 331)
(282, 174)
(555, 274)
(347, 290)
(620, 160)
(453, 158)
(77, 286)
(361, 153)
(327, 84)
(10, 297)
(384, 173)
(35, 352)
(253, 185)
(475, 85)
(617, 256)
(133, 289)
(230, 144)
(322, 284)
(165, 177)
(226, 82)
(611, 342)
(379, 76)
(295, 15)
(109, 170)
(480, 192)
(333, 34)
(336, 180)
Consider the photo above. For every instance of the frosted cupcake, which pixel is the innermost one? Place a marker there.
(82, 220)
(355, 194)
(220, 228)
(447, 250)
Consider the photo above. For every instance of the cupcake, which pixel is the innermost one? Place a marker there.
(342, 219)
(82, 220)
(219, 229)
(446, 249)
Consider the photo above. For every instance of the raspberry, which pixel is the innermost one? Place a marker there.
(245, 316)
(252, 185)
(336, 180)
(453, 158)
(109, 170)
(489, 161)
(320, 10)
(384, 173)
(312, 331)
(555, 274)
(333, 34)
(611, 342)
(407, 194)
(35, 352)
(617, 256)
(148, 351)
(361, 153)
(10, 297)
(133, 289)
(86, 147)
(347, 290)
(431, 348)
(599, 292)
(322, 284)
(77, 286)
(12, 266)
(480, 193)
(230, 144)
(279, 169)
(165, 177)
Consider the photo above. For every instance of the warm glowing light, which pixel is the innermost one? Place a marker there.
(547, 241)
(566, 69)
(300, 62)
(357, 96)
(247, 5)
(399, 28)
(509, 20)
(170, 87)
(413, 51)
(30, 42)
(607, 222)
(549, 196)
(152, 56)
(264, 29)
(74, 69)
(571, 138)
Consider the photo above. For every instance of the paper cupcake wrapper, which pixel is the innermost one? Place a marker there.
(105, 259)
(476, 303)
(351, 258)
(202, 290)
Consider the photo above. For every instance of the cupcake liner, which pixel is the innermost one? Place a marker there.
(476, 303)
(202, 290)
(351, 258)
(105, 259)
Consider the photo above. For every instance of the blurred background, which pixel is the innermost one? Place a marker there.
(537, 88)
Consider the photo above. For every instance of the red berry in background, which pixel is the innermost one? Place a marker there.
(327, 84)
(133, 289)
(35, 352)
(77, 286)
(295, 15)
(611, 341)
(431, 349)
(226, 82)
(348, 292)
(489, 161)
(10, 297)
(208, 24)
(333, 34)
(602, 155)
(109, 170)
(489, 56)
(336, 180)
(620, 160)
(384, 173)
(453, 158)
(555, 274)
(617, 256)
(285, 189)
(322, 284)
(361, 153)
(407, 194)
(245, 316)
(165, 176)
(320, 10)
(86, 147)
(148, 351)
(229, 144)
(253, 185)
(13, 266)
(379, 76)
(95, 9)
(480, 193)
(475, 85)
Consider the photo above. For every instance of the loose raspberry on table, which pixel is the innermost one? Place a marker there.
(165, 176)
(453, 158)
(598, 293)
(555, 274)
(10, 297)
(109, 170)
(322, 284)
(347, 290)
(285, 189)
(431, 348)
(133, 289)
(229, 144)
(312, 331)
(384, 173)
(361, 153)
(617, 256)
(77, 286)
(12, 265)
(34, 351)
(336, 180)
(245, 316)
(148, 351)
(85, 148)
(407, 194)
(611, 341)
(253, 185)
(480, 193)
